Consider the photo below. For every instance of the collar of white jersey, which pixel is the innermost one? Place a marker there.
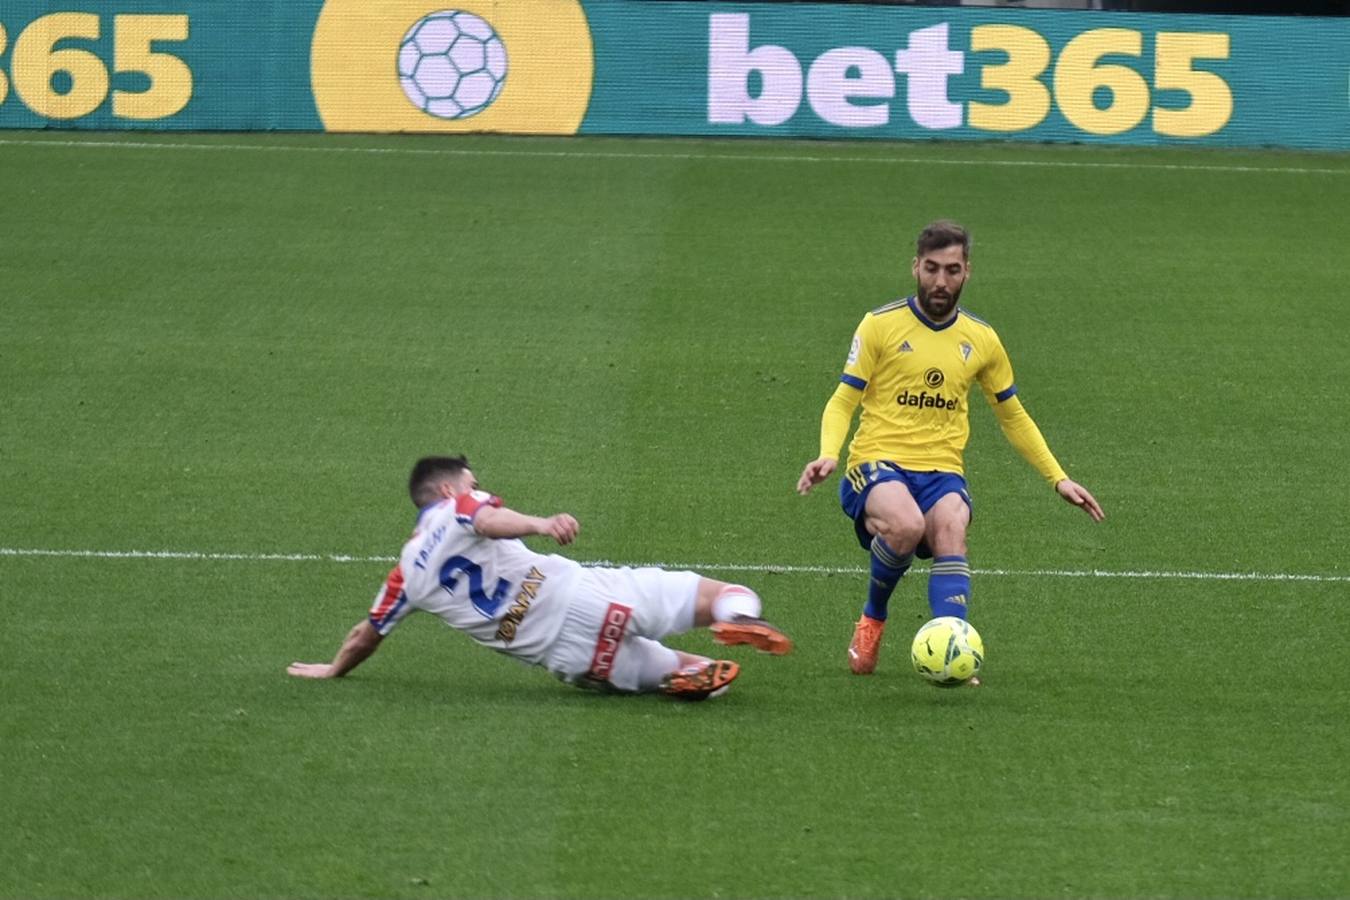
(421, 513)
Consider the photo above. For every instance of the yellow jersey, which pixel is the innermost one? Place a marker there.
(915, 377)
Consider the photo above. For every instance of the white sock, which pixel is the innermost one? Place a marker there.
(652, 662)
(736, 600)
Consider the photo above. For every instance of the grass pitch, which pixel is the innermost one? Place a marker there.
(228, 350)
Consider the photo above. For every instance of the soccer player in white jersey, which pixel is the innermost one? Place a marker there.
(594, 627)
(911, 367)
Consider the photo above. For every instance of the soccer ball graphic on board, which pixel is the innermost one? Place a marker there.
(451, 64)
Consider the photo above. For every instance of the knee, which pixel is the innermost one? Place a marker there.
(948, 539)
(901, 533)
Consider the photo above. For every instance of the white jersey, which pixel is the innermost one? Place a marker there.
(497, 591)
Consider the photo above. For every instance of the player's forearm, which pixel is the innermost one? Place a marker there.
(837, 418)
(500, 522)
(1021, 431)
(361, 642)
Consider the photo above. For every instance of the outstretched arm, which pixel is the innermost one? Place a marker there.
(361, 641)
(834, 423)
(1023, 434)
(500, 522)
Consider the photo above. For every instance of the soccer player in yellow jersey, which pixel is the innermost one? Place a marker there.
(911, 367)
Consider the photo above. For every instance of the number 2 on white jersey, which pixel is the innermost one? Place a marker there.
(461, 565)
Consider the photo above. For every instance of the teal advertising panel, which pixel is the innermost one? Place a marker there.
(676, 68)
(144, 64)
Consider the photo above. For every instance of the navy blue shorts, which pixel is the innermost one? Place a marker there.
(927, 488)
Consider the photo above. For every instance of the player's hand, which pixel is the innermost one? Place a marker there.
(310, 670)
(1081, 497)
(562, 528)
(816, 471)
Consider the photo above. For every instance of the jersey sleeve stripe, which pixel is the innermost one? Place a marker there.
(974, 318)
(1005, 394)
(384, 622)
(468, 505)
(901, 303)
(389, 597)
(853, 381)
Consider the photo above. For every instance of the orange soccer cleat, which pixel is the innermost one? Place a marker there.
(862, 651)
(757, 633)
(701, 681)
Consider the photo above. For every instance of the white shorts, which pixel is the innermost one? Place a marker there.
(613, 621)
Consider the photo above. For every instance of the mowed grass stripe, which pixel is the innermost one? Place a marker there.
(772, 568)
(753, 158)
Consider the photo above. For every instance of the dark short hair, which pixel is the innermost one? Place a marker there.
(940, 235)
(430, 470)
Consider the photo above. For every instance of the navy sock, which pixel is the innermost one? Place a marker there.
(949, 586)
(887, 567)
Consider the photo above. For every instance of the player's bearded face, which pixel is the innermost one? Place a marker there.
(937, 303)
(939, 279)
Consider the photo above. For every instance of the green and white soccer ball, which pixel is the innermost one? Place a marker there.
(452, 64)
(947, 651)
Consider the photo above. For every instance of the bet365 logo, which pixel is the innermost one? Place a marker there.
(851, 87)
(59, 67)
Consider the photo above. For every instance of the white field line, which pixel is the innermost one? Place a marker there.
(767, 568)
(748, 157)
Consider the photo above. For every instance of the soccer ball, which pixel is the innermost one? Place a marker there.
(452, 64)
(947, 651)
